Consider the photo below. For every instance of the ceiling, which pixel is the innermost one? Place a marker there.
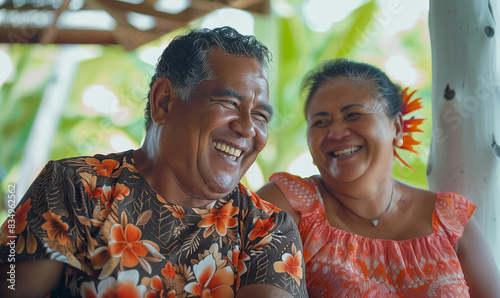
(129, 23)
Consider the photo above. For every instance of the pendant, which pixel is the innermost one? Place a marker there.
(374, 222)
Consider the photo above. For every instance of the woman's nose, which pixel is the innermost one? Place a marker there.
(337, 131)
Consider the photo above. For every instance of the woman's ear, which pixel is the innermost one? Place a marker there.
(162, 95)
(398, 124)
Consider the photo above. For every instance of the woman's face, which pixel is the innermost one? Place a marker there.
(349, 133)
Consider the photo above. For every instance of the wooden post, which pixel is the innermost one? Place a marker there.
(465, 149)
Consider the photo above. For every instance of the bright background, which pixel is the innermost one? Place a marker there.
(65, 101)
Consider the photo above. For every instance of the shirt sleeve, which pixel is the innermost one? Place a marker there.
(452, 213)
(272, 252)
(300, 193)
(45, 224)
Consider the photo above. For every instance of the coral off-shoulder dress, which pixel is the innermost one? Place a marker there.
(343, 264)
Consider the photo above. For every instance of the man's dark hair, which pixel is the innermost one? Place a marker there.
(185, 60)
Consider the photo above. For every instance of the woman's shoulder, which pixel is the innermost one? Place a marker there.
(452, 206)
(299, 192)
(452, 211)
(295, 187)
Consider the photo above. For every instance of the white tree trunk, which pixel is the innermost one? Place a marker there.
(465, 149)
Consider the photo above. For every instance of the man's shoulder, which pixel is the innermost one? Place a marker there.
(99, 164)
(117, 156)
(251, 200)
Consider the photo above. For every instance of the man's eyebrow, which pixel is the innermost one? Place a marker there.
(229, 93)
(266, 107)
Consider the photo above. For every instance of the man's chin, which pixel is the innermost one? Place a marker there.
(219, 187)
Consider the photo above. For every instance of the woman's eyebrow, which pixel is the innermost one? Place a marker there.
(320, 114)
(347, 107)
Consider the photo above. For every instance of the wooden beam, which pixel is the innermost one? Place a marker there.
(49, 34)
(64, 36)
(185, 16)
(258, 6)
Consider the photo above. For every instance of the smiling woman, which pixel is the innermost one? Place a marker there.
(363, 231)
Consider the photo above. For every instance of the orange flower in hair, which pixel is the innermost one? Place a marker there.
(410, 125)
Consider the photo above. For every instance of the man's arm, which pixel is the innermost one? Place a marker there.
(262, 291)
(31, 278)
(478, 264)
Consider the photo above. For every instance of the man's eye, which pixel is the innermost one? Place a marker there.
(229, 102)
(261, 117)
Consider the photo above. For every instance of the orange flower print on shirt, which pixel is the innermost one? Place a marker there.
(238, 261)
(155, 288)
(125, 285)
(125, 244)
(104, 168)
(211, 282)
(102, 260)
(262, 228)
(56, 228)
(177, 211)
(291, 264)
(19, 222)
(222, 219)
(168, 271)
(88, 290)
(89, 182)
(265, 206)
(117, 192)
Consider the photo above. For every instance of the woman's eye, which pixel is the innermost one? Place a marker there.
(321, 122)
(353, 115)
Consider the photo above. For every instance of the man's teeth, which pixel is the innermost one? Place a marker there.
(228, 149)
(346, 151)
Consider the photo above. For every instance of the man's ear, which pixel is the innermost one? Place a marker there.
(162, 95)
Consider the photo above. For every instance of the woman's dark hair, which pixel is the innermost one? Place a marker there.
(359, 73)
(185, 60)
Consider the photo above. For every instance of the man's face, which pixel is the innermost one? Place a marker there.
(211, 140)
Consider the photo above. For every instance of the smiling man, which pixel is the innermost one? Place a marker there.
(171, 218)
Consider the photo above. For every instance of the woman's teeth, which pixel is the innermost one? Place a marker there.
(227, 149)
(346, 151)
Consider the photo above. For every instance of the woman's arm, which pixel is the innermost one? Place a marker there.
(271, 193)
(478, 264)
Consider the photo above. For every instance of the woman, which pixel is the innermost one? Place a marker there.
(363, 232)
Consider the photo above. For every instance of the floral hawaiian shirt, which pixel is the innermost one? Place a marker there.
(118, 236)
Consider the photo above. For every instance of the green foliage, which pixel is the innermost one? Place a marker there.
(296, 48)
(20, 98)
(301, 49)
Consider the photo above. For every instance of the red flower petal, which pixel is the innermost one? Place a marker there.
(409, 125)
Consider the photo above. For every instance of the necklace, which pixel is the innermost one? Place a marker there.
(373, 221)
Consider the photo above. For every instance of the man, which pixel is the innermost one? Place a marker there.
(170, 218)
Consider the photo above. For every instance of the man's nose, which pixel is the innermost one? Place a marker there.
(244, 125)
